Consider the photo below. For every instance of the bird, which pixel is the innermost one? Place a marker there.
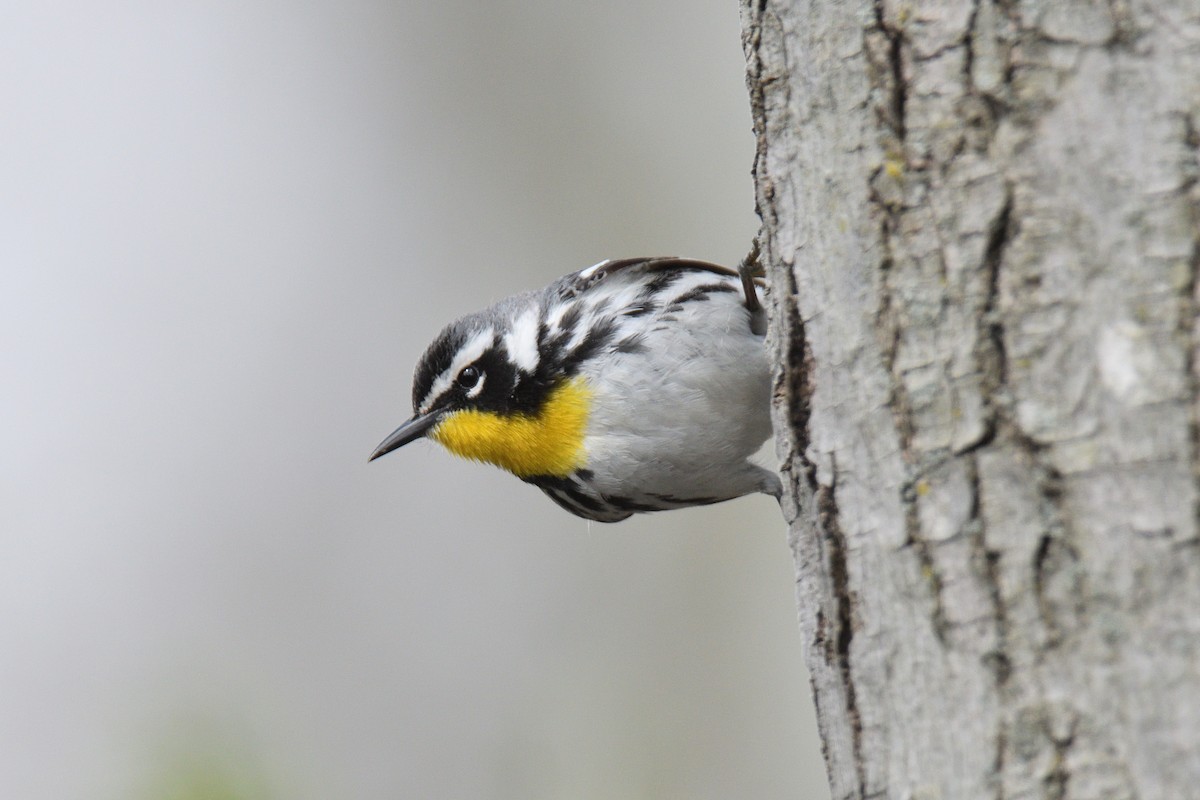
(634, 385)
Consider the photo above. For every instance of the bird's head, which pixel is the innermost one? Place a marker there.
(487, 390)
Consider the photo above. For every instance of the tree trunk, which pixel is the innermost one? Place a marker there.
(982, 228)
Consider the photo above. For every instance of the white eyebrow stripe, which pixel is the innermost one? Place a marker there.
(590, 271)
(474, 347)
(521, 341)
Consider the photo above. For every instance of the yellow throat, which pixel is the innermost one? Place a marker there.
(548, 443)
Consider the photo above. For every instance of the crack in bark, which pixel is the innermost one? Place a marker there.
(889, 70)
(843, 597)
(797, 388)
(991, 352)
(888, 323)
(980, 110)
(1048, 561)
(993, 257)
(925, 560)
(1124, 35)
(999, 758)
(834, 632)
(898, 86)
(793, 390)
(1190, 303)
(834, 644)
(969, 45)
(992, 356)
(988, 565)
(756, 86)
(1055, 555)
(1058, 779)
(997, 660)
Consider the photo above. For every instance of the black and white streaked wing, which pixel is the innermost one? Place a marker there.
(585, 279)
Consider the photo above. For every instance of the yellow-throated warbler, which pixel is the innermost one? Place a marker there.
(633, 385)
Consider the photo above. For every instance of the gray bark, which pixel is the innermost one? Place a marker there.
(982, 227)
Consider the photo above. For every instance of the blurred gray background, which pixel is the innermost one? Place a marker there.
(228, 231)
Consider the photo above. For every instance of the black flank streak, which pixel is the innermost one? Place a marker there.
(631, 344)
(582, 500)
(702, 292)
(550, 347)
(598, 337)
(625, 504)
(659, 282)
(564, 488)
(688, 501)
(571, 317)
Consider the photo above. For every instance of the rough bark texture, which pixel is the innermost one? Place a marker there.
(982, 225)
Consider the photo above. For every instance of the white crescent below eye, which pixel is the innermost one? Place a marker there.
(478, 387)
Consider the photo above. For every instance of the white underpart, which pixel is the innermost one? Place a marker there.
(471, 350)
(522, 340)
(682, 415)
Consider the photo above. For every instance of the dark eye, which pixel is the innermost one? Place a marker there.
(468, 377)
